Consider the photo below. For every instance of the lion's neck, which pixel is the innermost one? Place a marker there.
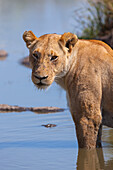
(71, 67)
(61, 82)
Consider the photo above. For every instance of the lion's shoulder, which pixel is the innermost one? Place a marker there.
(102, 44)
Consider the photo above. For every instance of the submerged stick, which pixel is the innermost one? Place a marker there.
(7, 108)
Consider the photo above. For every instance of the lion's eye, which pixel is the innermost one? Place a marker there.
(35, 55)
(54, 57)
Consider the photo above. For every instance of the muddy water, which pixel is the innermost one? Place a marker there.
(24, 143)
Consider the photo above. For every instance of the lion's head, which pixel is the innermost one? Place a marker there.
(49, 56)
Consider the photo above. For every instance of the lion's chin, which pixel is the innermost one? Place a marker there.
(42, 86)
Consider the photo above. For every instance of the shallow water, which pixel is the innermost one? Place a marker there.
(24, 143)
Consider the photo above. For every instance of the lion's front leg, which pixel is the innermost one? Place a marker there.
(87, 118)
(87, 131)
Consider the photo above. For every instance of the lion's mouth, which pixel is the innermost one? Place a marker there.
(41, 85)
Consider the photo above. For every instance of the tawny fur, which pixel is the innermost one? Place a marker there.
(84, 68)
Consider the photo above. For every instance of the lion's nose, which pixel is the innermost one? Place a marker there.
(40, 78)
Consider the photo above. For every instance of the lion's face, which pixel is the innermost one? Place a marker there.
(49, 55)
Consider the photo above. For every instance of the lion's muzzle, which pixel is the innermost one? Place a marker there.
(40, 81)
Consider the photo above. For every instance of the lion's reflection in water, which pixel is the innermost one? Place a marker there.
(93, 160)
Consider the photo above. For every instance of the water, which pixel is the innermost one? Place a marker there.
(24, 143)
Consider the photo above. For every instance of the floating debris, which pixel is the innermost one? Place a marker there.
(7, 108)
(49, 125)
(3, 54)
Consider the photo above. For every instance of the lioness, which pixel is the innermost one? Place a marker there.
(84, 68)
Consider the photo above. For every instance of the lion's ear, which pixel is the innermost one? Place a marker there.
(69, 40)
(29, 38)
